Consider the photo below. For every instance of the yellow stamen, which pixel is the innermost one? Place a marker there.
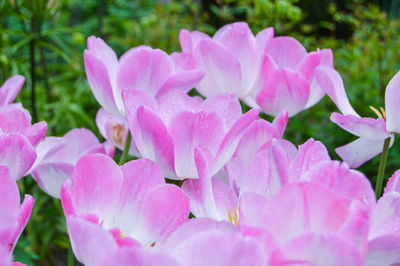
(235, 217)
(376, 111)
(383, 112)
(230, 216)
(120, 234)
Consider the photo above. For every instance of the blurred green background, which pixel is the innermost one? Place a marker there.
(44, 40)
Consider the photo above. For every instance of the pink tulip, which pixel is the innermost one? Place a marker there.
(288, 76)
(14, 118)
(13, 215)
(371, 132)
(10, 89)
(119, 206)
(303, 221)
(231, 59)
(115, 130)
(57, 157)
(274, 73)
(168, 130)
(140, 68)
(17, 153)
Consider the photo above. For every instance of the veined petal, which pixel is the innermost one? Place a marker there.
(10, 89)
(91, 243)
(361, 150)
(287, 52)
(185, 81)
(331, 82)
(190, 130)
(263, 38)
(9, 193)
(17, 153)
(143, 68)
(99, 81)
(392, 99)
(284, 90)
(365, 127)
(384, 250)
(223, 71)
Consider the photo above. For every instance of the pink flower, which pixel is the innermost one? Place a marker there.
(119, 206)
(231, 59)
(274, 73)
(17, 153)
(168, 130)
(371, 132)
(10, 89)
(57, 157)
(13, 215)
(115, 130)
(288, 78)
(305, 220)
(140, 68)
(15, 118)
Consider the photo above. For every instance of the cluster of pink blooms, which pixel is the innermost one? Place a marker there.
(247, 196)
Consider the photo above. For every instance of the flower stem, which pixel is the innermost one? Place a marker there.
(381, 171)
(70, 255)
(125, 153)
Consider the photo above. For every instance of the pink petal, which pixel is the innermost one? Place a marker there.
(189, 40)
(190, 130)
(239, 40)
(393, 183)
(24, 214)
(263, 38)
(226, 105)
(280, 123)
(51, 176)
(232, 138)
(360, 151)
(165, 209)
(384, 250)
(331, 82)
(221, 249)
(114, 129)
(153, 140)
(310, 154)
(196, 227)
(91, 243)
(287, 52)
(223, 70)
(138, 256)
(79, 142)
(343, 181)
(139, 177)
(100, 82)
(104, 53)
(295, 209)
(10, 89)
(17, 153)
(185, 81)
(317, 249)
(209, 197)
(143, 68)
(361, 126)
(97, 181)
(385, 218)
(174, 102)
(37, 132)
(284, 90)
(392, 99)
(9, 192)
(308, 64)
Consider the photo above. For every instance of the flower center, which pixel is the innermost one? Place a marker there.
(117, 133)
(381, 114)
(233, 219)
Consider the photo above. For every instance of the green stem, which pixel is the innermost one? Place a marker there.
(70, 255)
(125, 153)
(382, 165)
